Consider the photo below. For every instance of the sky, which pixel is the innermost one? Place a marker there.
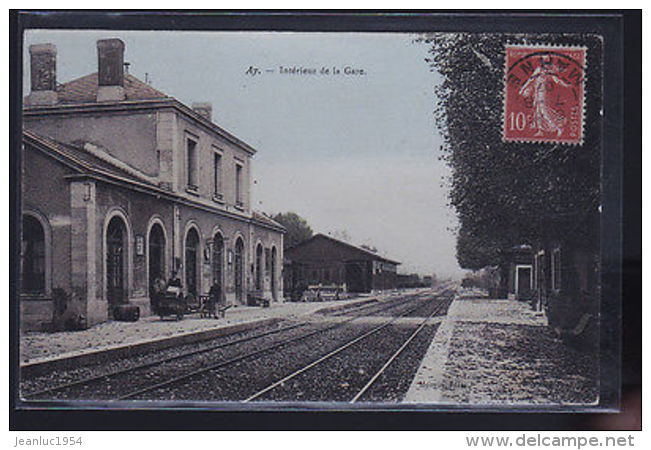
(354, 153)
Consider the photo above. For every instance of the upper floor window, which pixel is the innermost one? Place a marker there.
(238, 185)
(217, 158)
(192, 163)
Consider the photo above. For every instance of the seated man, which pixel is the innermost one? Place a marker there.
(174, 286)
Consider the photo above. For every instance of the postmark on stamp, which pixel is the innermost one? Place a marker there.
(544, 94)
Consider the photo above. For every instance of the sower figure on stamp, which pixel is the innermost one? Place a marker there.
(537, 90)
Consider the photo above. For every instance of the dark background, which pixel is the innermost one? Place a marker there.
(622, 33)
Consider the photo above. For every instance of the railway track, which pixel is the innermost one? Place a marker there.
(366, 308)
(155, 362)
(283, 382)
(84, 386)
(238, 383)
(185, 379)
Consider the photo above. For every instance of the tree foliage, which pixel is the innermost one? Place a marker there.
(504, 193)
(298, 230)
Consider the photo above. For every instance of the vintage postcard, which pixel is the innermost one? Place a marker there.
(342, 219)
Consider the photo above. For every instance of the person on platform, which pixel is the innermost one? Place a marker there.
(174, 285)
(213, 298)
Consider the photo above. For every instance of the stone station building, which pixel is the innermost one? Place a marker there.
(122, 185)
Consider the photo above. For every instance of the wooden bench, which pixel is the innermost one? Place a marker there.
(222, 310)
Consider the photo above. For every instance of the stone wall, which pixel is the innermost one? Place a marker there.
(47, 199)
(129, 137)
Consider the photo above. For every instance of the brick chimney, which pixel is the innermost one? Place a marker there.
(43, 64)
(110, 70)
(204, 109)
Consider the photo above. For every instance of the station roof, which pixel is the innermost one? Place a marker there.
(266, 220)
(81, 159)
(84, 90)
(352, 250)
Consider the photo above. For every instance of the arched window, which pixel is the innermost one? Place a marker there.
(191, 264)
(156, 255)
(218, 260)
(116, 265)
(239, 270)
(258, 267)
(33, 252)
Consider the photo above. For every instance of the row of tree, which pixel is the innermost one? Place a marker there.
(505, 193)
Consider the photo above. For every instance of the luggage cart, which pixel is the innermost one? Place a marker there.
(171, 303)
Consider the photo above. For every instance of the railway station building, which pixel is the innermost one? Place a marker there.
(323, 260)
(123, 185)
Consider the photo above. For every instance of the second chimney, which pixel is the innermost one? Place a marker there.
(43, 67)
(110, 70)
(204, 109)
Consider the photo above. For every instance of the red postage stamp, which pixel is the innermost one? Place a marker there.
(544, 94)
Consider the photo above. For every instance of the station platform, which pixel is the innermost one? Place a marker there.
(496, 352)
